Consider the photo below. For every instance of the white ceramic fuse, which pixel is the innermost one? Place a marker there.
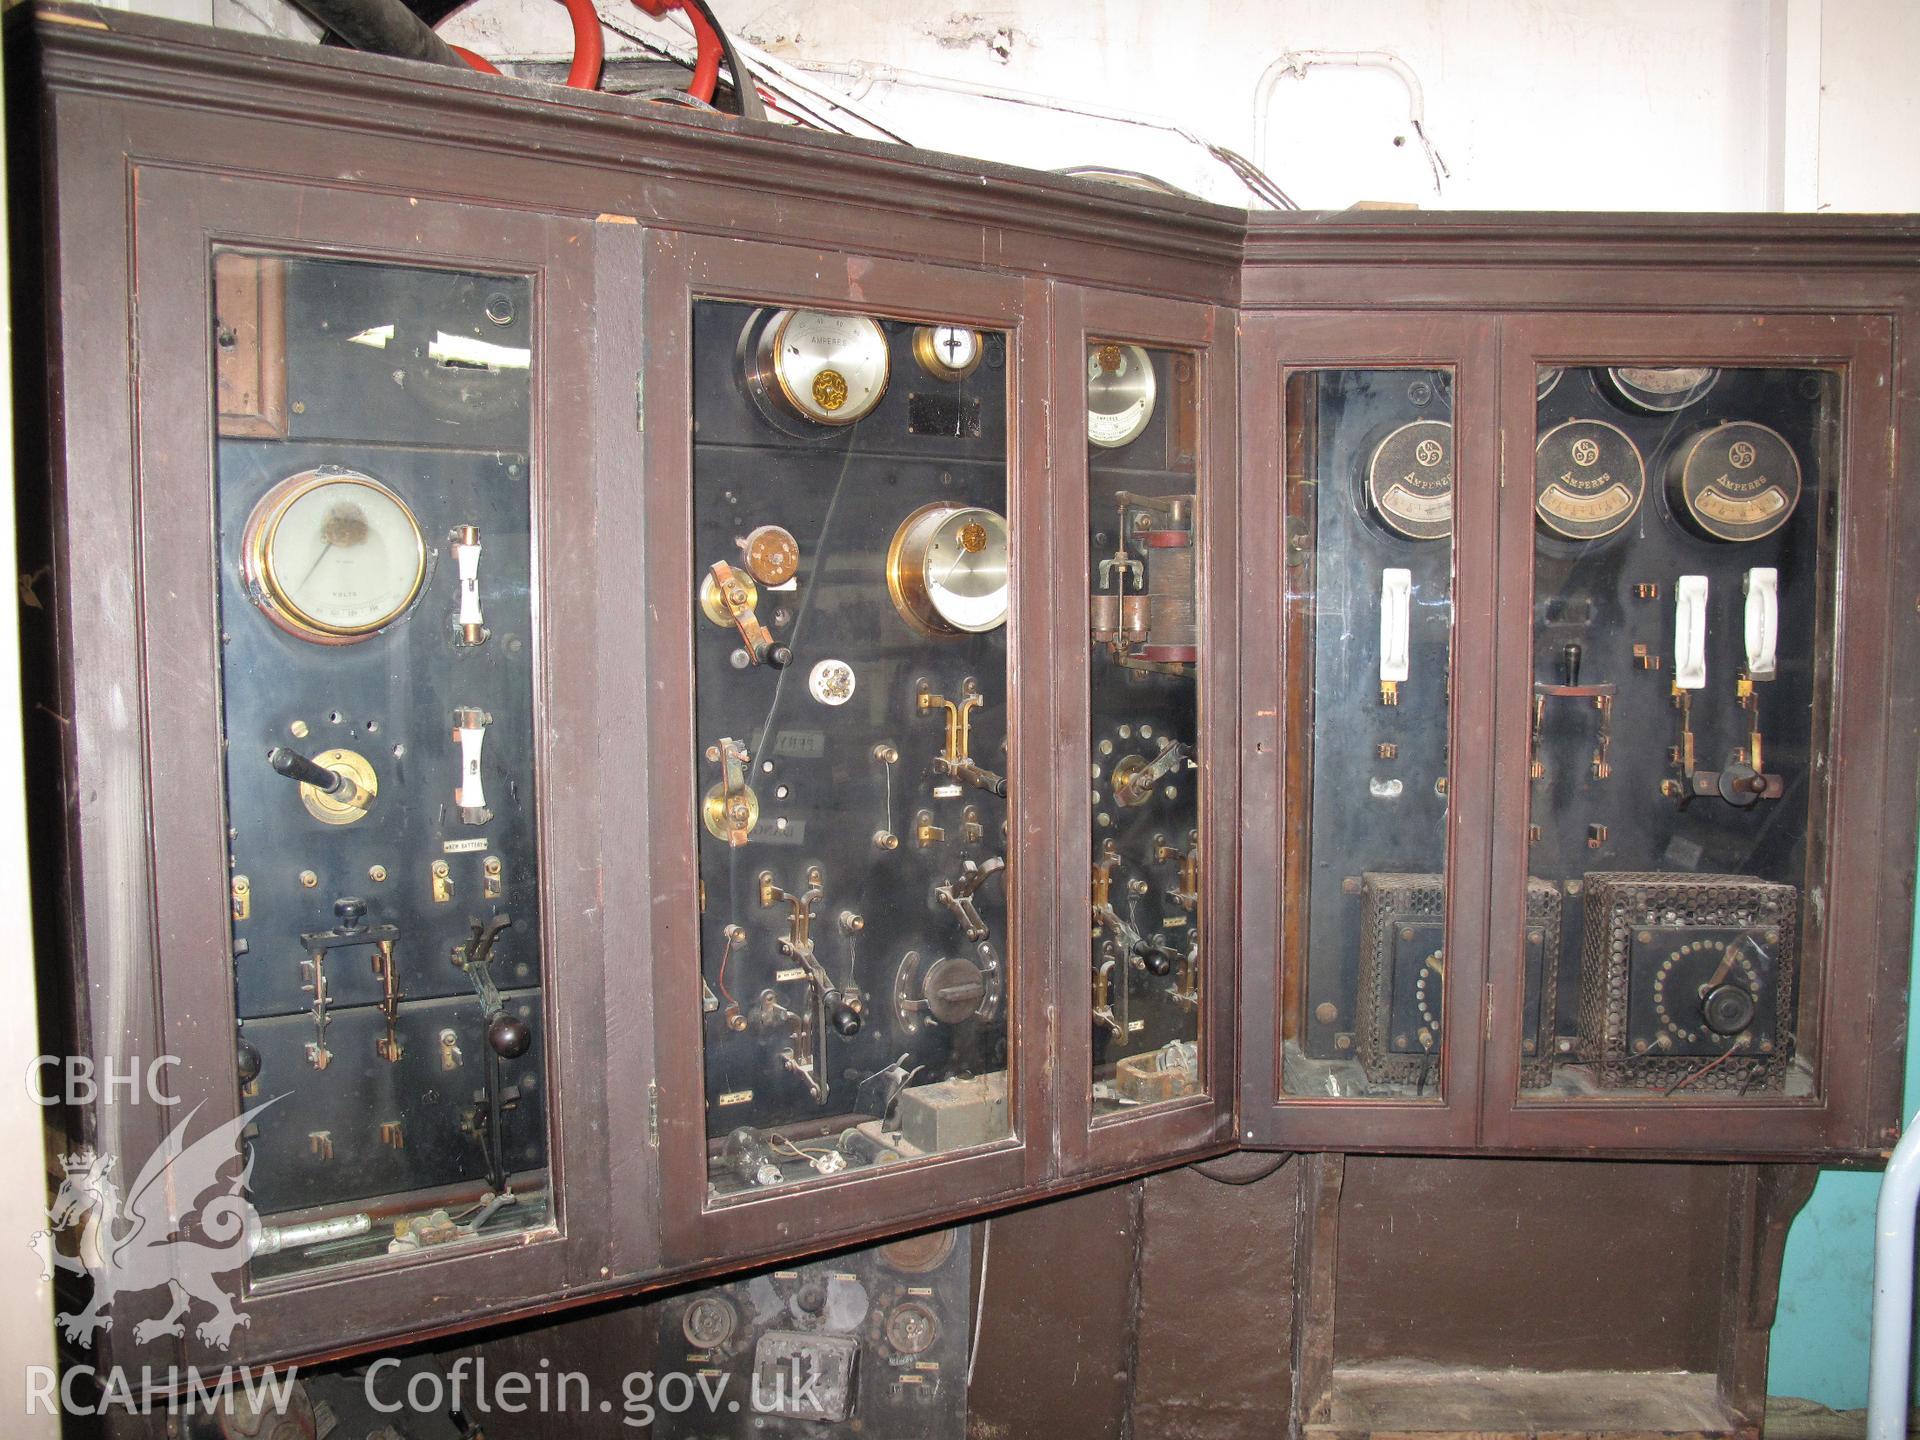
(466, 556)
(469, 731)
(1763, 621)
(1690, 633)
(1396, 619)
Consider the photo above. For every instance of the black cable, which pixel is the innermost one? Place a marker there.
(746, 98)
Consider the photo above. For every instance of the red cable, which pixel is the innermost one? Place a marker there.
(706, 68)
(589, 48)
(478, 62)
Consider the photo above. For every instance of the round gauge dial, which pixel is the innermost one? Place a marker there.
(912, 1328)
(948, 352)
(772, 554)
(947, 570)
(332, 556)
(1410, 480)
(919, 1254)
(1737, 481)
(708, 1323)
(1120, 393)
(1660, 389)
(1588, 479)
(824, 368)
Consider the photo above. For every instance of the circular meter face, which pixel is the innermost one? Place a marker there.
(1120, 393)
(948, 352)
(947, 570)
(332, 556)
(1737, 481)
(1410, 480)
(1588, 479)
(1661, 389)
(830, 369)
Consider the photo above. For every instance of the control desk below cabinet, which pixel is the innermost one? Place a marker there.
(621, 723)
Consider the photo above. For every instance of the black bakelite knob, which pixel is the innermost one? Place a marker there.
(509, 1035)
(1728, 1009)
(247, 1060)
(349, 910)
(1156, 959)
(779, 656)
(845, 1017)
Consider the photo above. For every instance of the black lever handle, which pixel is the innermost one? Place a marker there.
(295, 766)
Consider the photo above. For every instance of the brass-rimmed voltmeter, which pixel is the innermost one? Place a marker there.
(1410, 480)
(815, 365)
(947, 570)
(332, 556)
(948, 352)
(1120, 393)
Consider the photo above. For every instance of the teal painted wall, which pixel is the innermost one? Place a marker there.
(1826, 1284)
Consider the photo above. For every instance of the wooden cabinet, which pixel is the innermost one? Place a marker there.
(846, 689)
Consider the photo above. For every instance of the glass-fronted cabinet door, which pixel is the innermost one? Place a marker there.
(1689, 943)
(1144, 506)
(1377, 444)
(356, 808)
(844, 802)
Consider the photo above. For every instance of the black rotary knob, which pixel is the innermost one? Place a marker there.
(844, 1016)
(349, 910)
(509, 1035)
(1155, 957)
(247, 1061)
(779, 656)
(1728, 1009)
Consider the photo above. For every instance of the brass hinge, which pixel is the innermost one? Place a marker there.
(653, 1114)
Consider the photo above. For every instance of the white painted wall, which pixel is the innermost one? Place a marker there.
(1531, 104)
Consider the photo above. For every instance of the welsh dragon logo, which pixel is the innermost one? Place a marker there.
(138, 1244)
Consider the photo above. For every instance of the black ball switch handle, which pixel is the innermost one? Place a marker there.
(509, 1035)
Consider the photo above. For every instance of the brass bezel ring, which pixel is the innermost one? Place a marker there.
(263, 585)
(929, 359)
(770, 345)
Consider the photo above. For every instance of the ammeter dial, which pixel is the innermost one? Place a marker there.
(1588, 479)
(1659, 389)
(1120, 393)
(332, 556)
(823, 368)
(1738, 481)
(947, 570)
(1410, 480)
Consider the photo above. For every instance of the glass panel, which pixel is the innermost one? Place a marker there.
(850, 659)
(1683, 586)
(1143, 464)
(1369, 616)
(377, 690)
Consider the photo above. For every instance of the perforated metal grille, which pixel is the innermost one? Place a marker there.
(1387, 903)
(1621, 903)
